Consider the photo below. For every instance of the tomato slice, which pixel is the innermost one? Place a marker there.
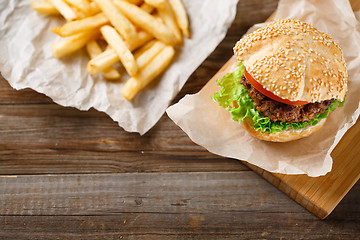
(269, 94)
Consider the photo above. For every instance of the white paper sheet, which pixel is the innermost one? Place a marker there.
(210, 126)
(26, 61)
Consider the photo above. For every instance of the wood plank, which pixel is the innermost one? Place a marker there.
(101, 194)
(165, 206)
(11, 96)
(40, 138)
(211, 225)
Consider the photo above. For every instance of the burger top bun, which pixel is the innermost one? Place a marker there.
(294, 61)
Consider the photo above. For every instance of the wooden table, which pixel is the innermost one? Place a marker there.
(67, 174)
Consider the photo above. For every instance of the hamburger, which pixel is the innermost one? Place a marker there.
(290, 76)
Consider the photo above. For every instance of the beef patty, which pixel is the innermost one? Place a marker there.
(278, 111)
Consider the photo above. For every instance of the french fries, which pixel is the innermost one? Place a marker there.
(156, 3)
(64, 9)
(145, 54)
(102, 61)
(147, 8)
(148, 73)
(81, 5)
(94, 50)
(85, 24)
(146, 21)
(44, 7)
(165, 12)
(140, 34)
(136, 2)
(94, 8)
(71, 44)
(140, 39)
(110, 57)
(115, 41)
(118, 20)
(180, 15)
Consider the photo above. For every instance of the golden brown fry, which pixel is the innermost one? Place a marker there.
(118, 20)
(181, 16)
(102, 61)
(82, 25)
(144, 47)
(94, 8)
(136, 2)
(156, 3)
(146, 53)
(82, 5)
(64, 9)
(166, 14)
(44, 7)
(147, 8)
(94, 50)
(148, 73)
(140, 39)
(146, 21)
(73, 43)
(115, 41)
(79, 14)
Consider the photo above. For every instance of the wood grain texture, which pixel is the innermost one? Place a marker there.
(70, 174)
(40, 139)
(162, 206)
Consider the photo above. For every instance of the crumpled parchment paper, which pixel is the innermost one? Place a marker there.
(210, 126)
(26, 61)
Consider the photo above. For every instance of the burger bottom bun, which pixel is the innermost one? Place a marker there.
(283, 136)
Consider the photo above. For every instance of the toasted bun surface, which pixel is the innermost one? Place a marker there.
(283, 136)
(294, 61)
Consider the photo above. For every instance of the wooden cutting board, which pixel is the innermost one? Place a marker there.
(322, 194)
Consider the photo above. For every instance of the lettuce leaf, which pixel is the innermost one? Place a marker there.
(234, 97)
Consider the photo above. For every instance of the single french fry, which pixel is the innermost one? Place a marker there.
(136, 2)
(156, 3)
(79, 14)
(94, 50)
(71, 44)
(144, 47)
(146, 53)
(147, 8)
(115, 41)
(166, 14)
(94, 8)
(82, 25)
(118, 20)
(181, 16)
(148, 73)
(64, 9)
(44, 7)
(102, 61)
(146, 21)
(82, 5)
(140, 39)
